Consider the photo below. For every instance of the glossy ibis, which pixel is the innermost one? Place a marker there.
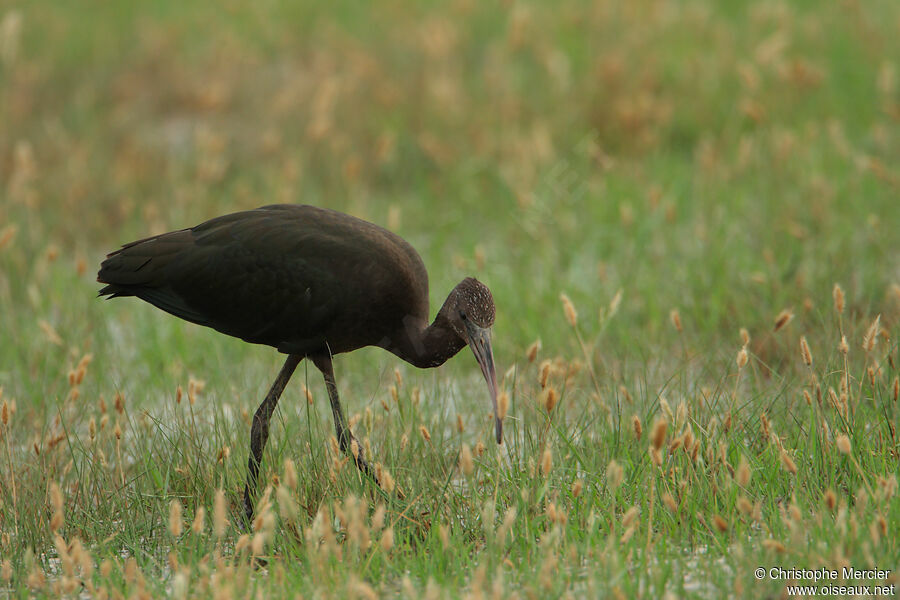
(312, 283)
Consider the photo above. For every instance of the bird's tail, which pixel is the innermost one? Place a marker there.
(139, 265)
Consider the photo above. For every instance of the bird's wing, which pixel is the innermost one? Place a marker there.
(253, 275)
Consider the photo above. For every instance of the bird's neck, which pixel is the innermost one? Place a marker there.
(427, 346)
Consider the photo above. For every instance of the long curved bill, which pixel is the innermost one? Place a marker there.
(480, 343)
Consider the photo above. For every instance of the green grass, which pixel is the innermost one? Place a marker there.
(723, 161)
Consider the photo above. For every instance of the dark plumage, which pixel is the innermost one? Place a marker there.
(312, 283)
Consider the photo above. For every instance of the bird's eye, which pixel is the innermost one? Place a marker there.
(462, 315)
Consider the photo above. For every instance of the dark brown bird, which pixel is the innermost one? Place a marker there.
(312, 283)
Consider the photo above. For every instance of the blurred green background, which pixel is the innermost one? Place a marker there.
(724, 159)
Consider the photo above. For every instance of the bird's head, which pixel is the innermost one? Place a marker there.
(470, 312)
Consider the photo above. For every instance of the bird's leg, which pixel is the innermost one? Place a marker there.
(259, 431)
(344, 435)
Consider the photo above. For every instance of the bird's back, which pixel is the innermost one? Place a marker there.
(300, 278)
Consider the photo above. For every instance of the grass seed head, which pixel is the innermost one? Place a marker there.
(378, 517)
(788, 463)
(219, 518)
(56, 497)
(569, 310)
(871, 337)
(742, 475)
(630, 516)
(4, 414)
(667, 410)
(508, 519)
(881, 523)
(670, 503)
(36, 580)
(7, 234)
(862, 500)
(681, 413)
(837, 293)
(387, 540)
(466, 463)
(688, 439)
(533, 350)
(764, 426)
(387, 481)
(614, 475)
(675, 318)
(805, 354)
(843, 444)
(502, 404)
(887, 487)
(544, 372)
(199, 523)
(844, 347)
(257, 543)
(675, 444)
(480, 448)
(548, 398)
(636, 427)
(577, 487)
(745, 337)
(614, 303)
(629, 533)
(52, 336)
(241, 544)
(290, 474)
(658, 435)
(175, 524)
(56, 521)
(720, 523)
(6, 570)
(783, 318)
(424, 433)
(546, 461)
(130, 572)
